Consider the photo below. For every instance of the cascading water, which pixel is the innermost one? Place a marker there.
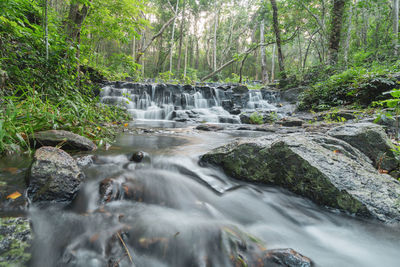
(169, 211)
(184, 103)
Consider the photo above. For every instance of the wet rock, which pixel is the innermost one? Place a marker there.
(291, 95)
(235, 111)
(85, 161)
(227, 105)
(15, 240)
(67, 140)
(137, 156)
(109, 190)
(285, 257)
(324, 169)
(372, 140)
(209, 127)
(53, 176)
(240, 89)
(291, 122)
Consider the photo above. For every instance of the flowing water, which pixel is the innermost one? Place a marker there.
(180, 208)
(170, 211)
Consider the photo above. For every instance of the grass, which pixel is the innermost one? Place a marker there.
(27, 111)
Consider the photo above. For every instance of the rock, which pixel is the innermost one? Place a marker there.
(324, 169)
(227, 105)
(245, 118)
(291, 95)
(235, 111)
(15, 240)
(67, 140)
(340, 115)
(372, 140)
(285, 257)
(53, 176)
(209, 127)
(240, 89)
(85, 161)
(137, 156)
(291, 122)
(109, 190)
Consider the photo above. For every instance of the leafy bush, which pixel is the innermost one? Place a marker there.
(256, 118)
(355, 85)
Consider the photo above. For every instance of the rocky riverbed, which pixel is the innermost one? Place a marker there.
(175, 194)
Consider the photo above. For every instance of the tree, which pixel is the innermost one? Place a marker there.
(337, 13)
(278, 38)
(396, 26)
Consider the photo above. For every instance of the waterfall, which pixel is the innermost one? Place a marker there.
(205, 103)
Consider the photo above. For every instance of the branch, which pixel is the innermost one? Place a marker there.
(317, 19)
(248, 51)
(143, 50)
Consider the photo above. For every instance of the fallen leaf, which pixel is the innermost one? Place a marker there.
(126, 124)
(98, 128)
(94, 238)
(336, 151)
(383, 171)
(14, 195)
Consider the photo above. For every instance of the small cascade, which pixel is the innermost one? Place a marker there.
(256, 101)
(206, 103)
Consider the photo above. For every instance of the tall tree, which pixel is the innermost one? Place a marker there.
(337, 13)
(278, 38)
(264, 72)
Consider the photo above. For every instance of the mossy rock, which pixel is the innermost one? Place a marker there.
(15, 241)
(324, 169)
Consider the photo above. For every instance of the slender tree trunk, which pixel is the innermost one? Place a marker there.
(181, 38)
(396, 26)
(215, 41)
(300, 51)
(173, 37)
(186, 57)
(338, 9)
(348, 35)
(46, 29)
(273, 64)
(264, 72)
(134, 49)
(278, 38)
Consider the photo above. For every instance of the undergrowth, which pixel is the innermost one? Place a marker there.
(26, 112)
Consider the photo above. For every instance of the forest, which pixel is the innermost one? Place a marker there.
(336, 50)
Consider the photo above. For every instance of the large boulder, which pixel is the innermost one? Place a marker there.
(324, 169)
(53, 176)
(67, 140)
(372, 140)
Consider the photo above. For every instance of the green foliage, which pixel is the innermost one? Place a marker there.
(28, 111)
(165, 76)
(355, 85)
(256, 118)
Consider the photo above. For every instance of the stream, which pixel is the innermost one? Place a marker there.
(182, 205)
(180, 211)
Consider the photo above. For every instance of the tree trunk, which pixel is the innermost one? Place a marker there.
(348, 35)
(278, 38)
(215, 41)
(76, 17)
(181, 38)
(338, 9)
(186, 57)
(173, 37)
(46, 29)
(273, 64)
(264, 72)
(396, 26)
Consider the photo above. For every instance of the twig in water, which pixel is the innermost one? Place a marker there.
(126, 248)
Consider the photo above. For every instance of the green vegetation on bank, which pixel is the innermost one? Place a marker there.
(39, 91)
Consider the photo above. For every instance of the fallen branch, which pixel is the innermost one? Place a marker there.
(248, 51)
